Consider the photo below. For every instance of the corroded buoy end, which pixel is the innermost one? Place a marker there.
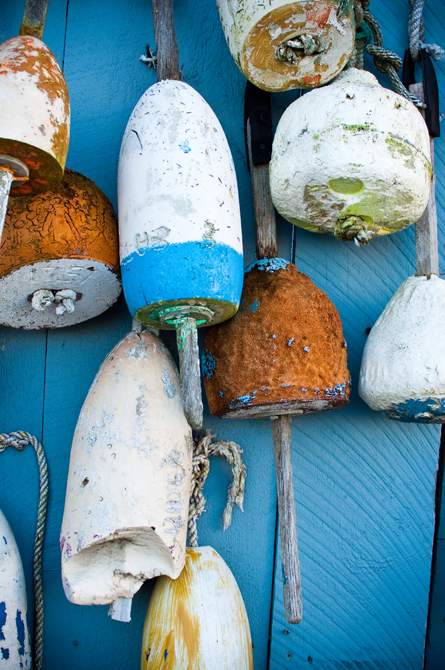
(59, 256)
(35, 112)
(293, 45)
(283, 353)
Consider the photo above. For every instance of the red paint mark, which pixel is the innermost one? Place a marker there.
(308, 80)
(319, 15)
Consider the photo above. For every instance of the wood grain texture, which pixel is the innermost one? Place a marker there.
(293, 606)
(165, 35)
(190, 371)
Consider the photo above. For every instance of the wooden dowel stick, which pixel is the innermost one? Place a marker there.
(34, 17)
(166, 45)
(427, 251)
(190, 372)
(293, 606)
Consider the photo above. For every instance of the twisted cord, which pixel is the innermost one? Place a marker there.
(203, 449)
(19, 440)
(416, 32)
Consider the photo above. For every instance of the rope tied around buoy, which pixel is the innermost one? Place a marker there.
(291, 51)
(203, 449)
(385, 60)
(19, 440)
(65, 300)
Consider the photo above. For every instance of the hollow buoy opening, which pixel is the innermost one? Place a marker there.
(346, 186)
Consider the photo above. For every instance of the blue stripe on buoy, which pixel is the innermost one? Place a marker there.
(182, 271)
(431, 410)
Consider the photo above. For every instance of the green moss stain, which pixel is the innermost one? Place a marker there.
(357, 127)
(401, 148)
(346, 186)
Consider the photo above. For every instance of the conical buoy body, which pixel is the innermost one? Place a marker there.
(57, 246)
(283, 353)
(199, 620)
(351, 159)
(128, 488)
(35, 112)
(179, 219)
(281, 45)
(403, 367)
(15, 648)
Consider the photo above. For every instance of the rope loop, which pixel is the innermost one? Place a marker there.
(203, 449)
(19, 440)
(416, 32)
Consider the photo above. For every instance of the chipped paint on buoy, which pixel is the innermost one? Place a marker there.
(199, 620)
(35, 112)
(15, 648)
(65, 239)
(403, 367)
(282, 45)
(287, 356)
(128, 488)
(179, 218)
(366, 169)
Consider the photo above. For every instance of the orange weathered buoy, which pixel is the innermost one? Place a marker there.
(59, 256)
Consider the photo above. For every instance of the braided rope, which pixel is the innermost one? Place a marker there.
(416, 32)
(19, 440)
(203, 449)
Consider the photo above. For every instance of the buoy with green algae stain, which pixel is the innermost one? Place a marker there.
(198, 620)
(351, 159)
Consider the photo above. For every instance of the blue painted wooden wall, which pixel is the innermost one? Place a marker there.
(364, 485)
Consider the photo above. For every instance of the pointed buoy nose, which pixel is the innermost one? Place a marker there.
(128, 489)
(283, 353)
(352, 159)
(403, 367)
(198, 620)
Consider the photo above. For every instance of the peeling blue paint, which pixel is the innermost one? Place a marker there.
(339, 390)
(20, 626)
(274, 336)
(242, 400)
(165, 655)
(304, 390)
(269, 264)
(265, 388)
(185, 147)
(290, 341)
(254, 306)
(221, 394)
(283, 573)
(431, 410)
(183, 271)
(5, 653)
(306, 349)
(3, 616)
(208, 364)
(285, 385)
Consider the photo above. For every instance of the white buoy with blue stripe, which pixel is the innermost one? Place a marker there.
(179, 218)
(15, 648)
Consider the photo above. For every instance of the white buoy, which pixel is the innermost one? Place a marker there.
(199, 620)
(128, 488)
(403, 368)
(280, 45)
(15, 648)
(351, 159)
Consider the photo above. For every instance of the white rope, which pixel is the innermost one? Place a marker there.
(416, 31)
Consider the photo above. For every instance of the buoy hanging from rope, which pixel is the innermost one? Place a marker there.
(402, 373)
(128, 489)
(281, 45)
(15, 646)
(179, 218)
(283, 354)
(59, 256)
(351, 159)
(35, 111)
(205, 593)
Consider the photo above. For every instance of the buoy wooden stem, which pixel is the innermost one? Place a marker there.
(288, 522)
(6, 179)
(259, 147)
(186, 328)
(427, 251)
(190, 372)
(34, 17)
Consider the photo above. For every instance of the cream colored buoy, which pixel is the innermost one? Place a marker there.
(59, 256)
(128, 488)
(281, 45)
(403, 368)
(351, 159)
(15, 649)
(199, 620)
(34, 118)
